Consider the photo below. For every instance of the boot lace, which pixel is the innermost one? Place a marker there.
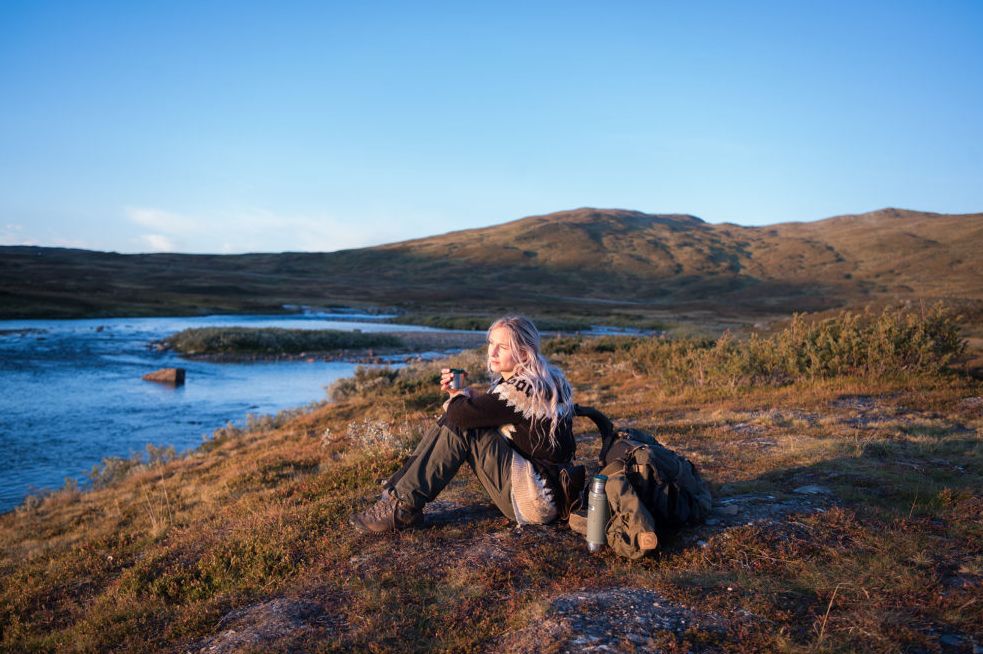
(383, 510)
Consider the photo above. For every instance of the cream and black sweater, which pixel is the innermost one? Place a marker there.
(509, 407)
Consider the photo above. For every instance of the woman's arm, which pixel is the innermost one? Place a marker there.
(480, 410)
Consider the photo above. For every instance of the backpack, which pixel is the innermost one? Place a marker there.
(650, 487)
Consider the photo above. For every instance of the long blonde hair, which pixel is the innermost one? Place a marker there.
(552, 394)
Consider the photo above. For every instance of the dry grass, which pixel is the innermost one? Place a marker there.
(243, 545)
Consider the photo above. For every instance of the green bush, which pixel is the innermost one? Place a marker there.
(417, 386)
(366, 380)
(897, 342)
(570, 344)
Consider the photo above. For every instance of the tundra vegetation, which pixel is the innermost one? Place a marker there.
(238, 343)
(272, 341)
(843, 452)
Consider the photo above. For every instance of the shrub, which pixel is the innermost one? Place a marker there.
(113, 469)
(366, 380)
(570, 344)
(375, 434)
(159, 455)
(68, 493)
(896, 342)
(221, 435)
(416, 385)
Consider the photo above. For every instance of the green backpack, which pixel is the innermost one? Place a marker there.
(650, 487)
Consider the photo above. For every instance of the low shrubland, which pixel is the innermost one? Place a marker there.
(480, 322)
(243, 545)
(898, 342)
(272, 341)
(114, 468)
(416, 385)
(546, 323)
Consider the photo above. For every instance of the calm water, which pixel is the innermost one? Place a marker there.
(71, 391)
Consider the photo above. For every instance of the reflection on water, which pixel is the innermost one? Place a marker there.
(71, 391)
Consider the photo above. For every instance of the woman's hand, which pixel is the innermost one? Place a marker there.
(446, 377)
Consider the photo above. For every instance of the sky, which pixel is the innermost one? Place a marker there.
(227, 126)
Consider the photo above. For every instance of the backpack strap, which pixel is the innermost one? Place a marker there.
(573, 481)
(604, 425)
(622, 451)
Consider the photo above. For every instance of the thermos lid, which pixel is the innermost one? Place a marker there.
(601, 477)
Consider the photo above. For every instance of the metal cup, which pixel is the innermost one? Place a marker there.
(458, 381)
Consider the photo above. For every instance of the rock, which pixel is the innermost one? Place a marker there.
(172, 376)
(256, 627)
(608, 620)
(813, 489)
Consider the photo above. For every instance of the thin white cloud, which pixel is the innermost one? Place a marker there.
(162, 221)
(261, 230)
(159, 242)
(13, 234)
(253, 230)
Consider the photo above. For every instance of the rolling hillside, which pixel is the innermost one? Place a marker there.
(586, 261)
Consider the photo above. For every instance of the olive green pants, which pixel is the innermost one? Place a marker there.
(441, 453)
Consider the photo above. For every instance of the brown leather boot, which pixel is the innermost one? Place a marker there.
(388, 514)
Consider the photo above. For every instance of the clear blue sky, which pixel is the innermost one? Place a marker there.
(232, 126)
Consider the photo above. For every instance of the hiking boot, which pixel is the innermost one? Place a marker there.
(388, 514)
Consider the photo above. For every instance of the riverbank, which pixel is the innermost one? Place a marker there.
(71, 393)
(847, 517)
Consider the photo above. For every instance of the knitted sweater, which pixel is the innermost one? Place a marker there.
(510, 407)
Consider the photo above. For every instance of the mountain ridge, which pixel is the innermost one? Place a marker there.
(555, 261)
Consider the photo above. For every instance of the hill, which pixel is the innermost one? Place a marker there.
(593, 261)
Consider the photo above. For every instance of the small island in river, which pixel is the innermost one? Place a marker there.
(242, 343)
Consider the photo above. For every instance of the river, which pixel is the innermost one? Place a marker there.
(71, 392)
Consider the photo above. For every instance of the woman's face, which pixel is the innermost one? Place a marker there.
(500, 357)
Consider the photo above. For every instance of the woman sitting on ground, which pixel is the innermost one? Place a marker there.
(516, 436)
